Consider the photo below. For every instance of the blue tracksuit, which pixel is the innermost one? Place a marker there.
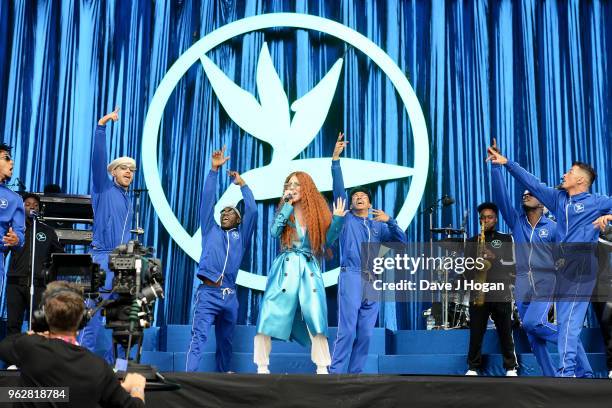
(577, 274)
(222, 252)
(356, 313)
(12, 215)
(535, 276)
(112, 221)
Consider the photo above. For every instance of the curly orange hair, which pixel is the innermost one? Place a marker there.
(316, 214)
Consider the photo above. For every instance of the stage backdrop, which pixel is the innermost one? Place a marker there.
(534, 74)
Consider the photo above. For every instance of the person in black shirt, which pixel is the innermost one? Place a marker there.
(20, 269)
(499, 252)
(54, 359)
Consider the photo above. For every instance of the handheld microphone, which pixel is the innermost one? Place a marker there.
(288, 197)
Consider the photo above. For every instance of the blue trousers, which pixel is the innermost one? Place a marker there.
(218, 306)
(575, 286)
(534, 299)
(356, 320)
(89, 335)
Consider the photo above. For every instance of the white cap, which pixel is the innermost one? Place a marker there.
(125, 160)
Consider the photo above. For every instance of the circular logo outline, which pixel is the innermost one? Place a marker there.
(150, 138)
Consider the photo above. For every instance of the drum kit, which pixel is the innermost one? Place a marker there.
(450, 307)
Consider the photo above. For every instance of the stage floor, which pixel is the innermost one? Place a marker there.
(294, 391)
(369, 391)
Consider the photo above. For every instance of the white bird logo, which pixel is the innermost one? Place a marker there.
(269, 120)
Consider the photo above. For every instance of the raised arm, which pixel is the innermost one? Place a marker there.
(337, 179)
(501, 198)
(207, 203)
(281, 220)
(250, 209)
(337, 221)
(99, 159)
(547, 195)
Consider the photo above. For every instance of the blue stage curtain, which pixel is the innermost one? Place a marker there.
(534, 74)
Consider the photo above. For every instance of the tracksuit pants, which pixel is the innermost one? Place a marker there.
(218, 306)
(356, 320)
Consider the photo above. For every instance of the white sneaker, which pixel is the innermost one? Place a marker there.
(472, 373)
(610, 375)
(14, 367)
(322, 370)
(512, 373)
(263, 370)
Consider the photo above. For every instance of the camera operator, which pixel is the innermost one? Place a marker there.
(54, 358)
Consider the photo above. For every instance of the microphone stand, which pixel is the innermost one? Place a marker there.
(138, 229)
(33, 266)
(446, 201)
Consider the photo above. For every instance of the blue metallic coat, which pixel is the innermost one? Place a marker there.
(294, 300)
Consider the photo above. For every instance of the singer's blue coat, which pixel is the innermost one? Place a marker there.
(294, 300)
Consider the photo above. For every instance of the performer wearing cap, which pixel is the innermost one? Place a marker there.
(535, 236)
(112, 213)
(357, 314)
(575, 210)
(12, 223)
(223, 247)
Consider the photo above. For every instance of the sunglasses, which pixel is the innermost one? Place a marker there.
(127, 167)
(291, 185)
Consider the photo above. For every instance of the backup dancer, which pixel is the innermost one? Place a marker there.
(357, 313)
(223, 247)
(575, 210)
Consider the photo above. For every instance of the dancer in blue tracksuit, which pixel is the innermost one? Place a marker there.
(12, 217)
(113, 211)
(357, 313)
(575, 210)
(534, 237)
(223, 247)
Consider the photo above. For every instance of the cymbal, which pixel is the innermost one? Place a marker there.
(447, 231)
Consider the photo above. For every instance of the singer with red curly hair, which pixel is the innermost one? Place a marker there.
(294, 305)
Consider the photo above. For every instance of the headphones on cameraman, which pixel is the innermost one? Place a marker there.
(39, 319)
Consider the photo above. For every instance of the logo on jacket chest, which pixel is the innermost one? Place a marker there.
(543, 233)
(235, 235)
(578, 208)
(41, 236)
(496, 243)
(3, 203)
